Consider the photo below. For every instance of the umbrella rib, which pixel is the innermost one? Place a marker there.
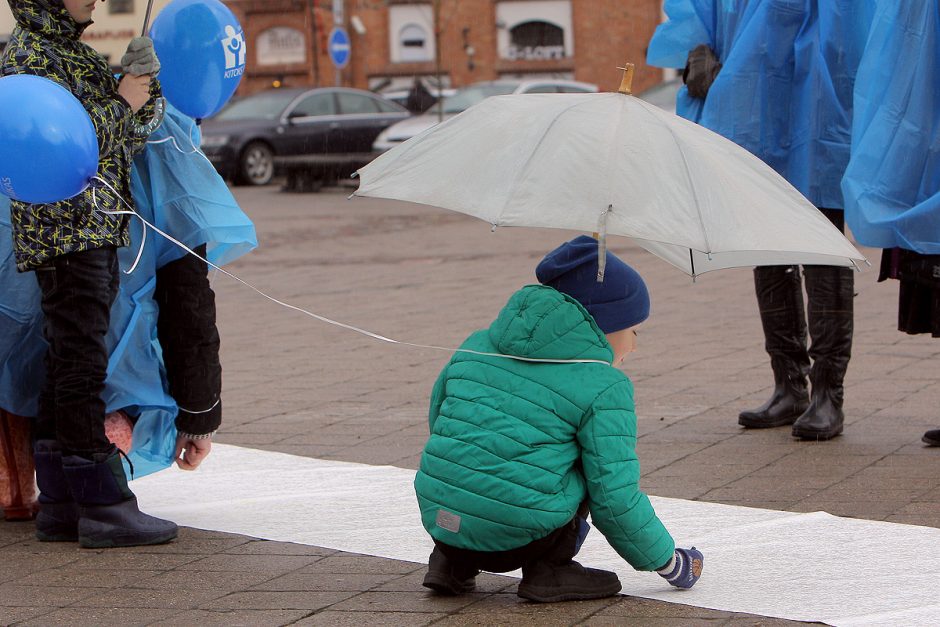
(532, 154)
(688, 173)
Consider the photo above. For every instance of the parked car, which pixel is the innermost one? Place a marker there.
(466, 97)
(663, 95)
(328, 131)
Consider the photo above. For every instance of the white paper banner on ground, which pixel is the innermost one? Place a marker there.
(809, 567)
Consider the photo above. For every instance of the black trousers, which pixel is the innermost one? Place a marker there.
(77, 292)
(189, 338)
(558, 547)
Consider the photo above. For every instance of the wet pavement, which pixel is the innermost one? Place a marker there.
(424, 275)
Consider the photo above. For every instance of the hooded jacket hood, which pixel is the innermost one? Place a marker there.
(541, 322)
(48, 17)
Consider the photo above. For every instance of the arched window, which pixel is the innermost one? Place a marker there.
(536, 40)
(413, 43)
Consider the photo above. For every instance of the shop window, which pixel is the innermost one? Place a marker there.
(536, 41)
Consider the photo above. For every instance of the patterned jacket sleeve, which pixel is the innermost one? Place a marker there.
(109, 112)
(143, 118)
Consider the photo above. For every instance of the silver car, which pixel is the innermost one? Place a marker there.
(468, 96)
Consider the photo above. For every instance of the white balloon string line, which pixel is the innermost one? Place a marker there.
(131, 211)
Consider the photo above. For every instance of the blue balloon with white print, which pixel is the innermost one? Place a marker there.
(48, 145)
(201, 47)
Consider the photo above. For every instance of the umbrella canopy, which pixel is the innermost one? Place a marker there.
(611, 162)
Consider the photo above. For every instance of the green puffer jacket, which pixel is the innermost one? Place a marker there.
(516, 446)
(46, 42)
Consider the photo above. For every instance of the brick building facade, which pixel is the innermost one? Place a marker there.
(392, 41)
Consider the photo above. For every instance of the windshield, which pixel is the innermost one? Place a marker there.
(469, 96)
(268, 106)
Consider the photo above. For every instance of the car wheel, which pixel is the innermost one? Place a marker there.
(256, 166)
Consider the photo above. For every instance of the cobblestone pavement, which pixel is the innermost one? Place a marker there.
(425, 275)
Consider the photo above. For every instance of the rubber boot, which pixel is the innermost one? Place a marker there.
(779, 292)
(446, 578)
(108, 512)
(545, 582)
(831, 291)
(57, 520)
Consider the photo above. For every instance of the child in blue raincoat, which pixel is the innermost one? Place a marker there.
(162, 341)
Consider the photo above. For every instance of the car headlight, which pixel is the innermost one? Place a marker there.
(214, 141)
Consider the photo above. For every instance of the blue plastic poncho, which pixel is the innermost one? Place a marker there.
(785, 89)
(176, 188)
(892, 183)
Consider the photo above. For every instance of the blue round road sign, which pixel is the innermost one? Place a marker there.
(339, 47)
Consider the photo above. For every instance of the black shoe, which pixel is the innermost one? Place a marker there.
(445, 578)
(108, 512)
(786, 404)
(932, 437)
(57, 520)
(548, 583)
(823, 420)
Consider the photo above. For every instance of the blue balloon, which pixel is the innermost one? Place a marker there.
(48, 145)
(201, 47)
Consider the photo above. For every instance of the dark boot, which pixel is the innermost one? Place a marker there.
(545, 582)
(57, 520)
(108, 514)
(445, 577)
(830, 293)
(780, 299)
(932, 437)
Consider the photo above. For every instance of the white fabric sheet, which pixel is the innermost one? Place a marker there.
(810, 567)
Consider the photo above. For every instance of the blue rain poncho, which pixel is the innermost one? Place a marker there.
(785, 89)
(892, 183)
(178, 190)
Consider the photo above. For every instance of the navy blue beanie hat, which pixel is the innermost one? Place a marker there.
(619, 302)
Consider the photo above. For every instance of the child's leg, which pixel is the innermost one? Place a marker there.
(77, 292)
(551, 574)
(189, 337)
(450, 576)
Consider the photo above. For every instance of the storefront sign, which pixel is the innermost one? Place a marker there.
(534, 53)
(280, 45)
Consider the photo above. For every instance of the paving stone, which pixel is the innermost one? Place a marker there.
(101, 617)
(277, 600)
(330, 618)
(231, 618)
(173, 599)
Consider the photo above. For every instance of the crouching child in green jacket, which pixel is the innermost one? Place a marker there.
(520, 450)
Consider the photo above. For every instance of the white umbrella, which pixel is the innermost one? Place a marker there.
(611, 162)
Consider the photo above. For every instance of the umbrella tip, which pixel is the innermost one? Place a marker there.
(626, 83)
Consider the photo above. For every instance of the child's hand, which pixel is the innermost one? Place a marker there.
(687, 569)
(135, 90)
(190, 453)
(140, 58)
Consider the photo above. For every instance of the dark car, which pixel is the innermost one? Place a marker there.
(328, 130)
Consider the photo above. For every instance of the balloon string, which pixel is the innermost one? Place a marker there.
(316, 316)
(194, 151)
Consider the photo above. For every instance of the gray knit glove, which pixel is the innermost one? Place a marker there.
(140, 57)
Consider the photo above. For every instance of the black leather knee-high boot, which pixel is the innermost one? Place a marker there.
(830, 292)
(780, 299)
